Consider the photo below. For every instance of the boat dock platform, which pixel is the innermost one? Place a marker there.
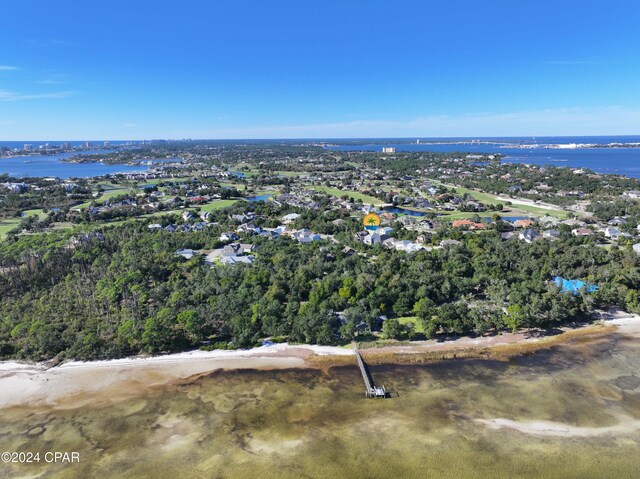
(370, 389)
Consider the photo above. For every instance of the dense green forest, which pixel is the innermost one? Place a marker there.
(125, 291)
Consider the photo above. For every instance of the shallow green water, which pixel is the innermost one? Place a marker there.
(309, 424)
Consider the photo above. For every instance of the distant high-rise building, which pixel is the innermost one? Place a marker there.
(88, 144)
(388, 149)
(107, 144)
(28, 147)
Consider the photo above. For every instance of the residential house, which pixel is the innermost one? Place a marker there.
(551, 234)
(347, 250)
(448, 243)
(636, 248)
(549, 221)
(155, 227)
(361, 235)
(574, 222)
(375, 238)
(232, 259)
(524, 223)
(305, 236)
(187, 215)
(581, 232)
(244, 217)
(16, 187)
(617, 221)
(290, 218)
(229, 236)
(467, 224)
(198, 226)
(386, 217)
(186, 253)
(613, 233)
(529, 235)
(249, 228)
(238, 249)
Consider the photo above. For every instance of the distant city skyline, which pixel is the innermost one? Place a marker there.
(285, 69)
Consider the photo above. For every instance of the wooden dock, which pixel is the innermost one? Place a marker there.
(370, 389)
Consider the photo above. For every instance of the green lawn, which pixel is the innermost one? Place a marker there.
(37, 212)
(490, 199)
(216, 205)
(7, 225)
(417, 326)
(116, 192)
(237, 186)
(155, 181)
(356, 195)
(483, 214)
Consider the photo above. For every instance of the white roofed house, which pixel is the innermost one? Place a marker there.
(636, 248)
(634, 194)
(529, 235)
(612, 233)
(248, 228)
(290, 218)
(187, 215)
(375, 238)
(229, 236)
(186, 253)
(305, 236)
(232, 259)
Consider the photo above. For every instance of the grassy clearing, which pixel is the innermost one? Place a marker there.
(7, 225)
(356, 195)
(290, 173)
(37, 212)
(156, 181)
(417, 325)
(490, 199)
(116, 192)
(216, 205)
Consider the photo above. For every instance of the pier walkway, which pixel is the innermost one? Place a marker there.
(370, 389)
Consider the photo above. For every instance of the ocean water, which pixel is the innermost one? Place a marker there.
(52, 165)
(569, 412)
(621, 161)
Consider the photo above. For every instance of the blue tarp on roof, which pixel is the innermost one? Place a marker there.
(574, 285)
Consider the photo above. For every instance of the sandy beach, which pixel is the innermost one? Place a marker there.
(73, 384)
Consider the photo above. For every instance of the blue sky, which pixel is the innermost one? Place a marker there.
(311, 68)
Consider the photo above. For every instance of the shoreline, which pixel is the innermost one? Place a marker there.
(74, 384)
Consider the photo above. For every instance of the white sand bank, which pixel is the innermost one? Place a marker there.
(75, 383)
